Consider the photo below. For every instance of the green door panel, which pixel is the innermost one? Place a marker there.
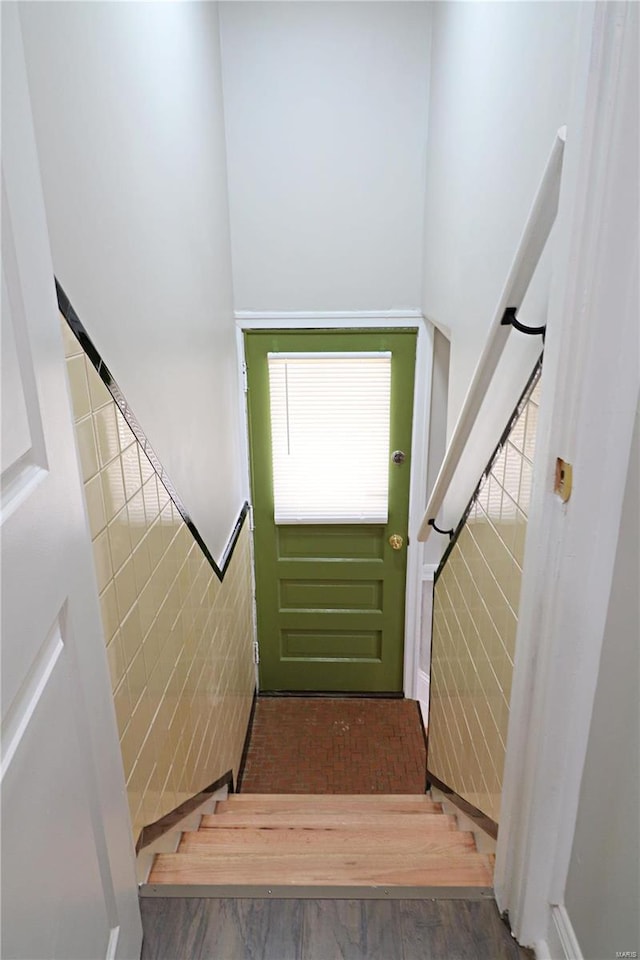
(330, 594)
(331, 542)
(330, 597)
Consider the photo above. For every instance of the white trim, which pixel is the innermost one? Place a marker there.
(372, 320)
(417, 497)
(244, 454)
(112, 945)
(565, 932)
(561, 942)
(422, 696)
(330, 319)
(420, 693)
(589, 398)
(543, 951)
(534, 237)
(441, 327)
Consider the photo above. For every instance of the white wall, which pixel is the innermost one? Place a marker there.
(326, 115)
(129, 121)
(603, 886)
(500, 86)
(438, 408)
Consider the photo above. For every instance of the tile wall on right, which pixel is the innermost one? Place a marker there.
(475, 618)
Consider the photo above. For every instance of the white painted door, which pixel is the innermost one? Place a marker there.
(68, 877)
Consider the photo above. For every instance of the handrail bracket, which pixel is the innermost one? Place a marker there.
(447, 533)
(510, 319)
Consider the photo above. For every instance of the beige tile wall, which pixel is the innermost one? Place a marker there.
(179, 642)
(474, 626)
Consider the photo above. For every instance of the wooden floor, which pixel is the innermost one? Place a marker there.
(212, 929)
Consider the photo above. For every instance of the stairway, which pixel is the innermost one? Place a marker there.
(303, 845)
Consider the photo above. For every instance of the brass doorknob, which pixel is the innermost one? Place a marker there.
(396, 541)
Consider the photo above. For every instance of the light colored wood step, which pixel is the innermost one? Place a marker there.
(303, 803)
(311, 820)
(465, 870)
(283, 840)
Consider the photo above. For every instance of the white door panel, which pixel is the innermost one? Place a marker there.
(22, 456)
(68, 875)
(59, 849)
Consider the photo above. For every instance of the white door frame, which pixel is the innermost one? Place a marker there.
(589, 397)
(371, 320)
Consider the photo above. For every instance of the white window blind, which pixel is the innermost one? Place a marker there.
(330, 436)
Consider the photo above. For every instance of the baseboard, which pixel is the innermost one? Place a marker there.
(168, 840)
(424, 740)
(422, 696)
(561, 942)
(164, 835)
(168, 822)
(479, 818)
(247, 741)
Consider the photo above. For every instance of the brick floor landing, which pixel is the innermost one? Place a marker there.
(335, 745)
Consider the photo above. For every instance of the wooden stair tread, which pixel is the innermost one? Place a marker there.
(469, 869)
(312, 820)
(291, 840)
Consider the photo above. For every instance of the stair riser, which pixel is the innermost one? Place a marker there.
(281, 841)
(312, 821)
(378, 800)
(326, 805)
(325, 870)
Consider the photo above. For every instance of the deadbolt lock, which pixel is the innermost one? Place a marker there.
(396, 541)
(398, 456)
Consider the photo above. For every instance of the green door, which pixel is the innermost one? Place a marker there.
(330, 586)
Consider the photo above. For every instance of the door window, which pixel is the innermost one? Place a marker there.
(330, 415)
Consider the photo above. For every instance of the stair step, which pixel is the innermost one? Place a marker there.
(311, 820)
(333, 840)
(464, 870)
(319, 803)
